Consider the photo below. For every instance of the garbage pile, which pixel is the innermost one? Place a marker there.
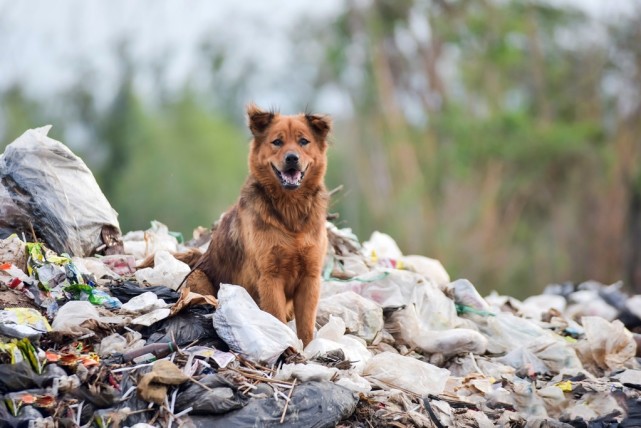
(89, 339)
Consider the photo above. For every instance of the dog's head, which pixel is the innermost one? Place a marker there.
(288, 151)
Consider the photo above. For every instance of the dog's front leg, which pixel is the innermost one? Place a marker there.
(305, 303)
(272, 298)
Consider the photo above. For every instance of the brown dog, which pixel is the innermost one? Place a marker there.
(273, 241)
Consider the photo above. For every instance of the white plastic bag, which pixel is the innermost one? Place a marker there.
(54, 188)
(407, 373)
(306, 372)
(607, 346)
(72, 314)
(331, 337)
(406, 325)
(362, 317)
(255, 334)
(432, 269)
(167, 271)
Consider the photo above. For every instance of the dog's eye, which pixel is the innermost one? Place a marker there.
(277, 142)
(303, 142)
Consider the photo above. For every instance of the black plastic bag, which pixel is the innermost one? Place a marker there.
(186, 327)
(312, 404)
(224, 397)
(20, 376)
(129, 289)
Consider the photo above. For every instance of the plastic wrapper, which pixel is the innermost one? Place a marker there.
(362, 317)
(222, 398)
(167, 271)
(46, 185)
(312, 404)
(249, 331)
(406, 373)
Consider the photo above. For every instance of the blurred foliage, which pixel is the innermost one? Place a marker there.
(485, 134)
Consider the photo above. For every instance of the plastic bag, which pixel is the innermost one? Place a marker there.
(407, 373)
(222, 398)
(72, 314)
(249, 331)
(332, 337)
(306, 372)
(188, 326)
(429, 268)
(607, 346)
(362, 317)
(143, 303)
(167, 271)
(312, 404)
(140, 243)
(128, 289)
(406, 325)
(55, 192)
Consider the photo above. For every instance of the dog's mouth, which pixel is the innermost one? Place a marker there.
(289, 178)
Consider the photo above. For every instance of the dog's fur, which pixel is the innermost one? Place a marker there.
(273, 240)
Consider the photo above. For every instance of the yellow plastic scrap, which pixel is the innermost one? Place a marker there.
(566, 386)
(31, 354)
(13, 351)
(30, 317)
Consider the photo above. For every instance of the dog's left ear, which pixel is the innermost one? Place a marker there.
(320, 125)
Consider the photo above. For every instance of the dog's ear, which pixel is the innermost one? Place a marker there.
(320, 125)
(258, 119)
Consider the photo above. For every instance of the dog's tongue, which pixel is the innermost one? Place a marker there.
(292, 177)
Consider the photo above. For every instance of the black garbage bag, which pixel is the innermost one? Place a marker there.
(129, 289)
(20, 376)
(186, 327)
(133, 402)
(223, 398)
(312, 404)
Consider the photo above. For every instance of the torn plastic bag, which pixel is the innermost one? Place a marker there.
(194, 323)
(312, 404)
(57, 193)
(128, 290)
(222, 397)
(362, 317)
(395, 370)
(249, 331)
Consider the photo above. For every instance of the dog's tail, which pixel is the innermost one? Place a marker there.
(191, 257)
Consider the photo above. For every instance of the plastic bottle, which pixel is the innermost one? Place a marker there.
(150, 352)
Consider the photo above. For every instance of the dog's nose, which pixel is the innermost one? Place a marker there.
(291, 158)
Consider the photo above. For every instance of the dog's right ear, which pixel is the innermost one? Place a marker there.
(258, 119)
